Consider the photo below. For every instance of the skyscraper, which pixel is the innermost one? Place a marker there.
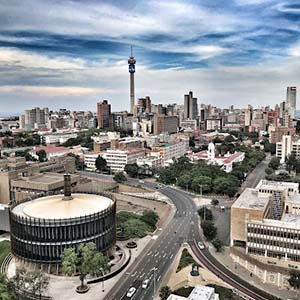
(131, 63)
(104, 115)
(291, 100)
(190, 106)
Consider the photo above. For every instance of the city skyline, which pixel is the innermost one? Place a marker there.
(74, 54)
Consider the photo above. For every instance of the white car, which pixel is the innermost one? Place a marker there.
(201, 245)
(131, 292)
(145, 284)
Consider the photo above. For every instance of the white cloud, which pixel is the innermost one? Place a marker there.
(15, 57)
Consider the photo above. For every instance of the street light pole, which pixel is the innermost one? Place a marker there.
(103, 290)
(154, 269)
(204, 212)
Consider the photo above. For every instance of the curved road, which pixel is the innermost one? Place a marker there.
(159, 255)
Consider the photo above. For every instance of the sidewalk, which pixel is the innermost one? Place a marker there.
(225, 259)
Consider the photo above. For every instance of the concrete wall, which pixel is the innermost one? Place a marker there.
(4, 218)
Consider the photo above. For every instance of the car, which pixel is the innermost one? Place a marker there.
(131, 292)
(145, 284)
(201, 245)
(141, 181)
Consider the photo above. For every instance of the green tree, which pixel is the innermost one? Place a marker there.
(135, 228)
(274, 163)
(204, 181)
(132, 170)
(150, 217)
(209, 230)
(269, 171)
(294, 279)
(205, 213)
(42, 155)
(218, 244)
(165, 292)
(101, 164)
(5, 293)
(87, 261)
(214, 202)
(120, 177)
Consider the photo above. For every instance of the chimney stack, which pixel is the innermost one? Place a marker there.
(67, 187)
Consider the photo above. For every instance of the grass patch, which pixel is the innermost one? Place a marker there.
(4, 250)
(185, 260)
(132, 225)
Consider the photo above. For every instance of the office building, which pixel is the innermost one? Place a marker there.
(190, 106)
(166, 124)
(287, 147)
(265, 230)
(34, 118)
(104, 115)
(291, 95)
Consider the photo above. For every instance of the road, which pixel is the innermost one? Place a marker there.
(183, 227)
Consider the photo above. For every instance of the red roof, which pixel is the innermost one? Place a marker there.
(232, 157)
(50, 149)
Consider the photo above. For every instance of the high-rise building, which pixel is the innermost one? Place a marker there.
(190, 106)
(291, 94)
(34, 118)
(131, 63)
(144, 105)
(163, 123)
(104, 115)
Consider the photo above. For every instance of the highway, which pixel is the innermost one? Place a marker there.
(184, 227)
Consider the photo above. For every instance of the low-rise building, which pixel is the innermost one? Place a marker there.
(225, 161)
(51, 151)
(199, 292)
(287, 147)
(116, 159)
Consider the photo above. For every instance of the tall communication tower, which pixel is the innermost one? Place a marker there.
(131, 63)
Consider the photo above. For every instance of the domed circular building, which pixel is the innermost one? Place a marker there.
(42, 228)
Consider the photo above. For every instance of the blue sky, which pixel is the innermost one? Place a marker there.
(74, 53)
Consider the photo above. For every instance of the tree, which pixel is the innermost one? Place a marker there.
(214, 202)
(294, 279)
(165, 292)
(42, 155)
(274, 163)
(269, 171)
(150, 217)
(218, 244)
(120, 177)
(34, 282)
(209, 230)
(132, 170)
(101, 164)
(204, 181)
(205, 213)
(5, 293)
(87, 261)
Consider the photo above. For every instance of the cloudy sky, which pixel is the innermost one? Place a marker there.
(72, 54)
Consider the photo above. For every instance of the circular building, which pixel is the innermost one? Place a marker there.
(42, 228)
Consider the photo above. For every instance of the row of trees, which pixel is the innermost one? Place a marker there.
(209, 177)
(209, 229)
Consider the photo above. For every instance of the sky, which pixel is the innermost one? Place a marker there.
(73, 53)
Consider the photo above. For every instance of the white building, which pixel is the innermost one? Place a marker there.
(116, 159)
(287, 147)
(168, 151)
(59, 138)
(154, 162)
(198, 293)
(51, 151)
(266, 221)
(226, 161)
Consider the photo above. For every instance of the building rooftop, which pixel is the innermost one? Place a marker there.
(277, 185)
(288, 221)
(56, 207)
(249, 199)
(202, 293)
